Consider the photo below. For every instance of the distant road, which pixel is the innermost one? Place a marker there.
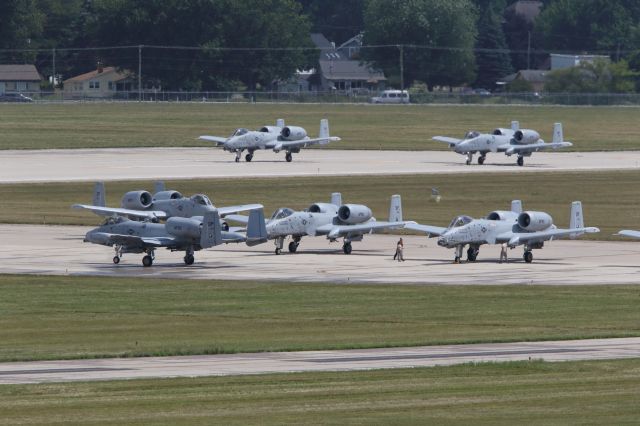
(313, 361)
(185, 163)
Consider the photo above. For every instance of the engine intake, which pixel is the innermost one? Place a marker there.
(503, 215)
(166, 195)
(526, 136)
(137, 200)
(292, 133)
(354, 213)
(184, 227)
(323, 208)
(534, 221)
(270, 129)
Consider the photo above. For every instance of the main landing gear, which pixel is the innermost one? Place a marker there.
(148, 259)
(249, 156)
(481, 159)
(288, 157)
(346, 247)
(520, 161)
(293, 245)
(528, 256)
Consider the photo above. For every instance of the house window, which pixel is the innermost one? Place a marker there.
(94, 84)
(111, 85)
(21, 86)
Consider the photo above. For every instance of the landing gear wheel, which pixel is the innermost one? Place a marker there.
(147, 261)
(528, 256)
(288, 157)
(521, 161)
(248, 157)
(116, 259)
(293, 247)
(457, 259)
(189, 259)
(346, 248)
(468, 162)
(472, 254)
(481, 160)
(278, 251)
(237, 159)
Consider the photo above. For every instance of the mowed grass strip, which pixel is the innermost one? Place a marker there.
(102, 125)
(609, 198)
(53, 317)
(597, 392)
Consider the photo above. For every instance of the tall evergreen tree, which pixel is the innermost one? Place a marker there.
(492, 53)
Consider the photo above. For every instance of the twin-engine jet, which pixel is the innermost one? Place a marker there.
(521, 142)
(530, 229)
(277, 138)
(333, 220)
(163, 204)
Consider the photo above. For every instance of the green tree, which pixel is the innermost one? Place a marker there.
(446, 28)
(601, 76)
(338, 20)
(492, 57)
(20, 27)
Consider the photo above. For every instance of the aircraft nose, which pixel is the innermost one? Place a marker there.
(442, 242)
(94, 237)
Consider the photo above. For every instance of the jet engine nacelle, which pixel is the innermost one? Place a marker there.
(526, 136)
(534, 221)
(166, 195)
(183, 227)
(503, 215)
(502, 132)
(354, 213)
(323, 208)
(270, 129)
(137, 200)
(292, 133)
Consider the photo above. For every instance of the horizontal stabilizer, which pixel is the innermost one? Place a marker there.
(216, 139)
(446, 139)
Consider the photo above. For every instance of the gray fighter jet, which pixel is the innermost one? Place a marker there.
(333, 220)
(522, 142)
(278, 138)
(530, 229)
(177, 234)
(163, 204)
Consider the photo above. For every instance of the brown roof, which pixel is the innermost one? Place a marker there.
(95, 73)
(528, 9)
(19, 73)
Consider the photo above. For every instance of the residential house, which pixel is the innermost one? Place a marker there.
(19, 79)
(534, 77)
(560, 61)
(105, 82)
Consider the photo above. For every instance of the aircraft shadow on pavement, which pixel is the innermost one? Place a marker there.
(474, 165)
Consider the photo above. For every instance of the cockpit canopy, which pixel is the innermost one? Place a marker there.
(460, 221)
(201, 199)
(113, 220)
(472, 134)
(239, 132)
(282, 213)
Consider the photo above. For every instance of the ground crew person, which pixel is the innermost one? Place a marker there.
(503, 253)
(399, 251)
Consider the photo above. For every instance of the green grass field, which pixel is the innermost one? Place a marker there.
(361, 126)
(609, 198)
(599, 392)
(44, 317)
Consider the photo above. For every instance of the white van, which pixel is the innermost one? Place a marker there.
(392, 97)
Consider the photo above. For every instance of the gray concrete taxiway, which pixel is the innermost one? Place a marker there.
(185, 163)
(33, 249)
(313, 361)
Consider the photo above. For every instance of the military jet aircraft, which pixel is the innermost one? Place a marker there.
(177, 234)
(530, 229)
(163, 204)
(522, 142)
(333, 220)
(278, 138)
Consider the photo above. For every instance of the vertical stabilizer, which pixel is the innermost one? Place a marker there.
(324, 128)
(577, 219)
(516, 206)
(256, 228)
(395, 209)
(515, 126)
(280, 122)
(158, 186)
(211, 234)
(336, 199)
(557, 133)
(99, 195)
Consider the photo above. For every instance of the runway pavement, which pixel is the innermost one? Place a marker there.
(59, 250)
(313, 361)
(184, 163)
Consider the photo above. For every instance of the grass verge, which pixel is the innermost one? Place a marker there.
(410, 127)
(598, 392)
(51, 317)
(609, 198)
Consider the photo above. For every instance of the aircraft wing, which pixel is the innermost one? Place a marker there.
(141, 242)
(629, 233)
(517, 238)
(216, 139)
(224, 211)
(301, 143)
(447, 139)
(237, 218)
(427, 229)
(335, 231)
(233, 237)
(510, 149)
(113, 211)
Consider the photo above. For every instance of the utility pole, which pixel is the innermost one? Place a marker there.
(528, 50)
(53, 76)
(140, 73)
(402, 70)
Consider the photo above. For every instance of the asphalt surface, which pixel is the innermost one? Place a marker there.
(313, 361)
(59, 250)
(185, 163)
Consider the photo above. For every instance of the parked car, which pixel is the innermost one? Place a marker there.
(392, 97)
(14, 97)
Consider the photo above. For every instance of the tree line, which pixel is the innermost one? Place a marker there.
(251, 43)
